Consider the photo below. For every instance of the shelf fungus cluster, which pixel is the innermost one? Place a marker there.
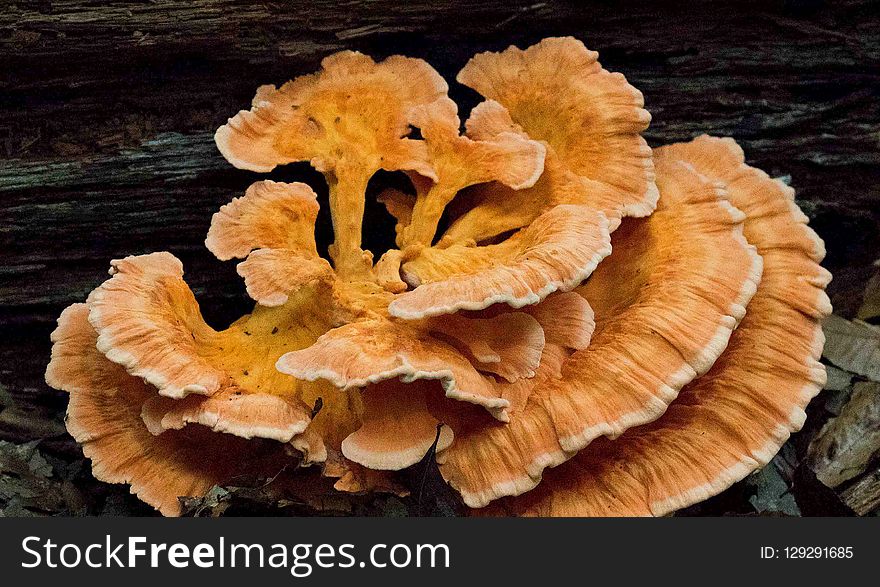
(571, 323)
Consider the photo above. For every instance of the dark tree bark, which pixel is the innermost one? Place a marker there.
(107, 111)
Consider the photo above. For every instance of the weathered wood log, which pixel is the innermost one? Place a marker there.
(107, 111)
(863, 496)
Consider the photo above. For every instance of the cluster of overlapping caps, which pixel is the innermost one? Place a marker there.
(602, 329)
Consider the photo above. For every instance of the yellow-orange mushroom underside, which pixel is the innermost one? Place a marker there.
(732, 420)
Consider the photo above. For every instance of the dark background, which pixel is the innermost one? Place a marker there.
(107, 111)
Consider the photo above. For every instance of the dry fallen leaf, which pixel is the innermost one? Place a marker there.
(853, 346)
(847, 444)
(26, 483)
(772, 493)
(870, 309)
(838, 379)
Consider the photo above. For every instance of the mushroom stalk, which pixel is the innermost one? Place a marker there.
(426, 215)
(347, 189)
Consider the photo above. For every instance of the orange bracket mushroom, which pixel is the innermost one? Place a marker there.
(349, 121)
(104, 415)
(666, 301)
(589, 122)
(590, 119)
(733, 419)
(595, 315)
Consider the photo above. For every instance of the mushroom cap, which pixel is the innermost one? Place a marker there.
(104, 415)
(398, 430)
(666, 301)
(488, 210)
(271, 276)
(507, 345)
(148, 321)
(450, 353)
(354, 108)
(271, 215)
(273, 227)
(558, 93)
(589, 122)
(733, 419)
(372, 351)
(510, 158)
(154, 336)
(248, 415)
(554, 253)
